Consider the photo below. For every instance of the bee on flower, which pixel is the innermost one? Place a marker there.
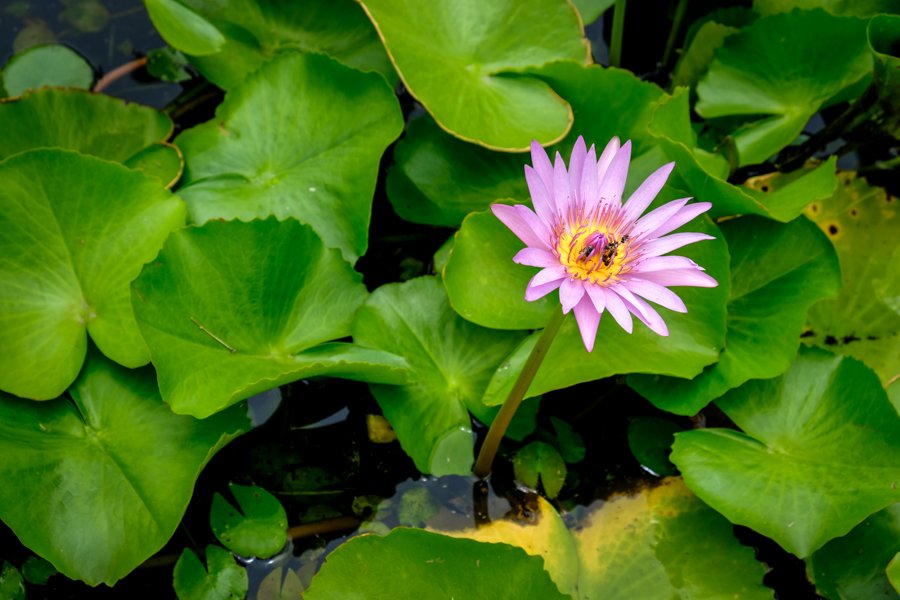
(602, 254)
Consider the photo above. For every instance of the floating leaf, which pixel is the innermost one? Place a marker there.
(539, 462)
(316, 162)
(853, 567)
(893, 572)
(777, 272)
(861, 221)
(542, 534)
(89, 123)
(183, 28)
(467, 63)
(856, 8)
(161, 160)
(821, 453)
(74, 232)
(12, 586)
(664, 543)
(650, 440)
(280, 584)
(883, 34)
(221, 579)
(257, 526)
(39, 66)
(409, 563)
(258, 320)
(81, 491)
(590, 10)
(694, 339)
(451, 362)
(37, 570)
(817, 56)
(257, 30)
(699, 52)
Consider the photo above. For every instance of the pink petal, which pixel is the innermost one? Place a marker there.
(613, 182)
(554, 273)
(644, 195)
(576, 164)
(647, 315)
(543, 203)
(541, 163)
(598, 297)
(686, 214)
(655, 293)
(511, 217)
(671, 242)
(570, 293)
(606, 157)
(618, 310)
(664, 263)
(588, 319)
(534, 222)
(681, 277)
(536, 292)
(656, 218)
(536, 257)
(589, 183)
(561, 193)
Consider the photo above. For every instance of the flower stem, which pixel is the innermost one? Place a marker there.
(673, 33)
(516, 395)
(618, 26)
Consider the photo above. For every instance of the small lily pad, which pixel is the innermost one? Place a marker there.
(161, 160)
(183, 28)
(539, 462)
(257, 526)
(52, 65)
(220, 579)
(12, 586)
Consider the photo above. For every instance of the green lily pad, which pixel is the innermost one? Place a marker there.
(694, 341)
(12, 586)
(280, 584)
(438, 179)
(183, 28)
(884, 42)
(451, 362)
(409, 563)
(861, 221)
(257, 30)
(316, 162)
(699, 52)
(160, 160)
(855, 8)
(821, 453)
(853, 567)
(220, 579)
(52, 65)
(74, 232)
(76, 120)
(777, 272)
(257, 526)
(782, 197)
(817, 56)
(539, 462)
(893, 572)
(37, 570)
(590, 10)
(467, 62)
(650, 440)
(232, 309)
(664, 543)
(81, 492)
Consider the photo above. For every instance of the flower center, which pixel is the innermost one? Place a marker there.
(592, 253)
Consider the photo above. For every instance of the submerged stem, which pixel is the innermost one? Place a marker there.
(516, 395)
(618, 27)
(673, 33)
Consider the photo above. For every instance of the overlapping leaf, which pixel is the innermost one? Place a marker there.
(227, 41)
(80, 490)
(467, 63)
(77, 120)
(817, 55)
(777, 272)
(820, 452)
(451, 362)
(861, 223)
(74, 231)
(312, 156)
(231, 309)
(415, 563)
(51, 65)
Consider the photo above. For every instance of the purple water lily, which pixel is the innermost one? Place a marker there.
(601, 254)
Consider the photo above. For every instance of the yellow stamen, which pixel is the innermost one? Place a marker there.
(592, 252)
